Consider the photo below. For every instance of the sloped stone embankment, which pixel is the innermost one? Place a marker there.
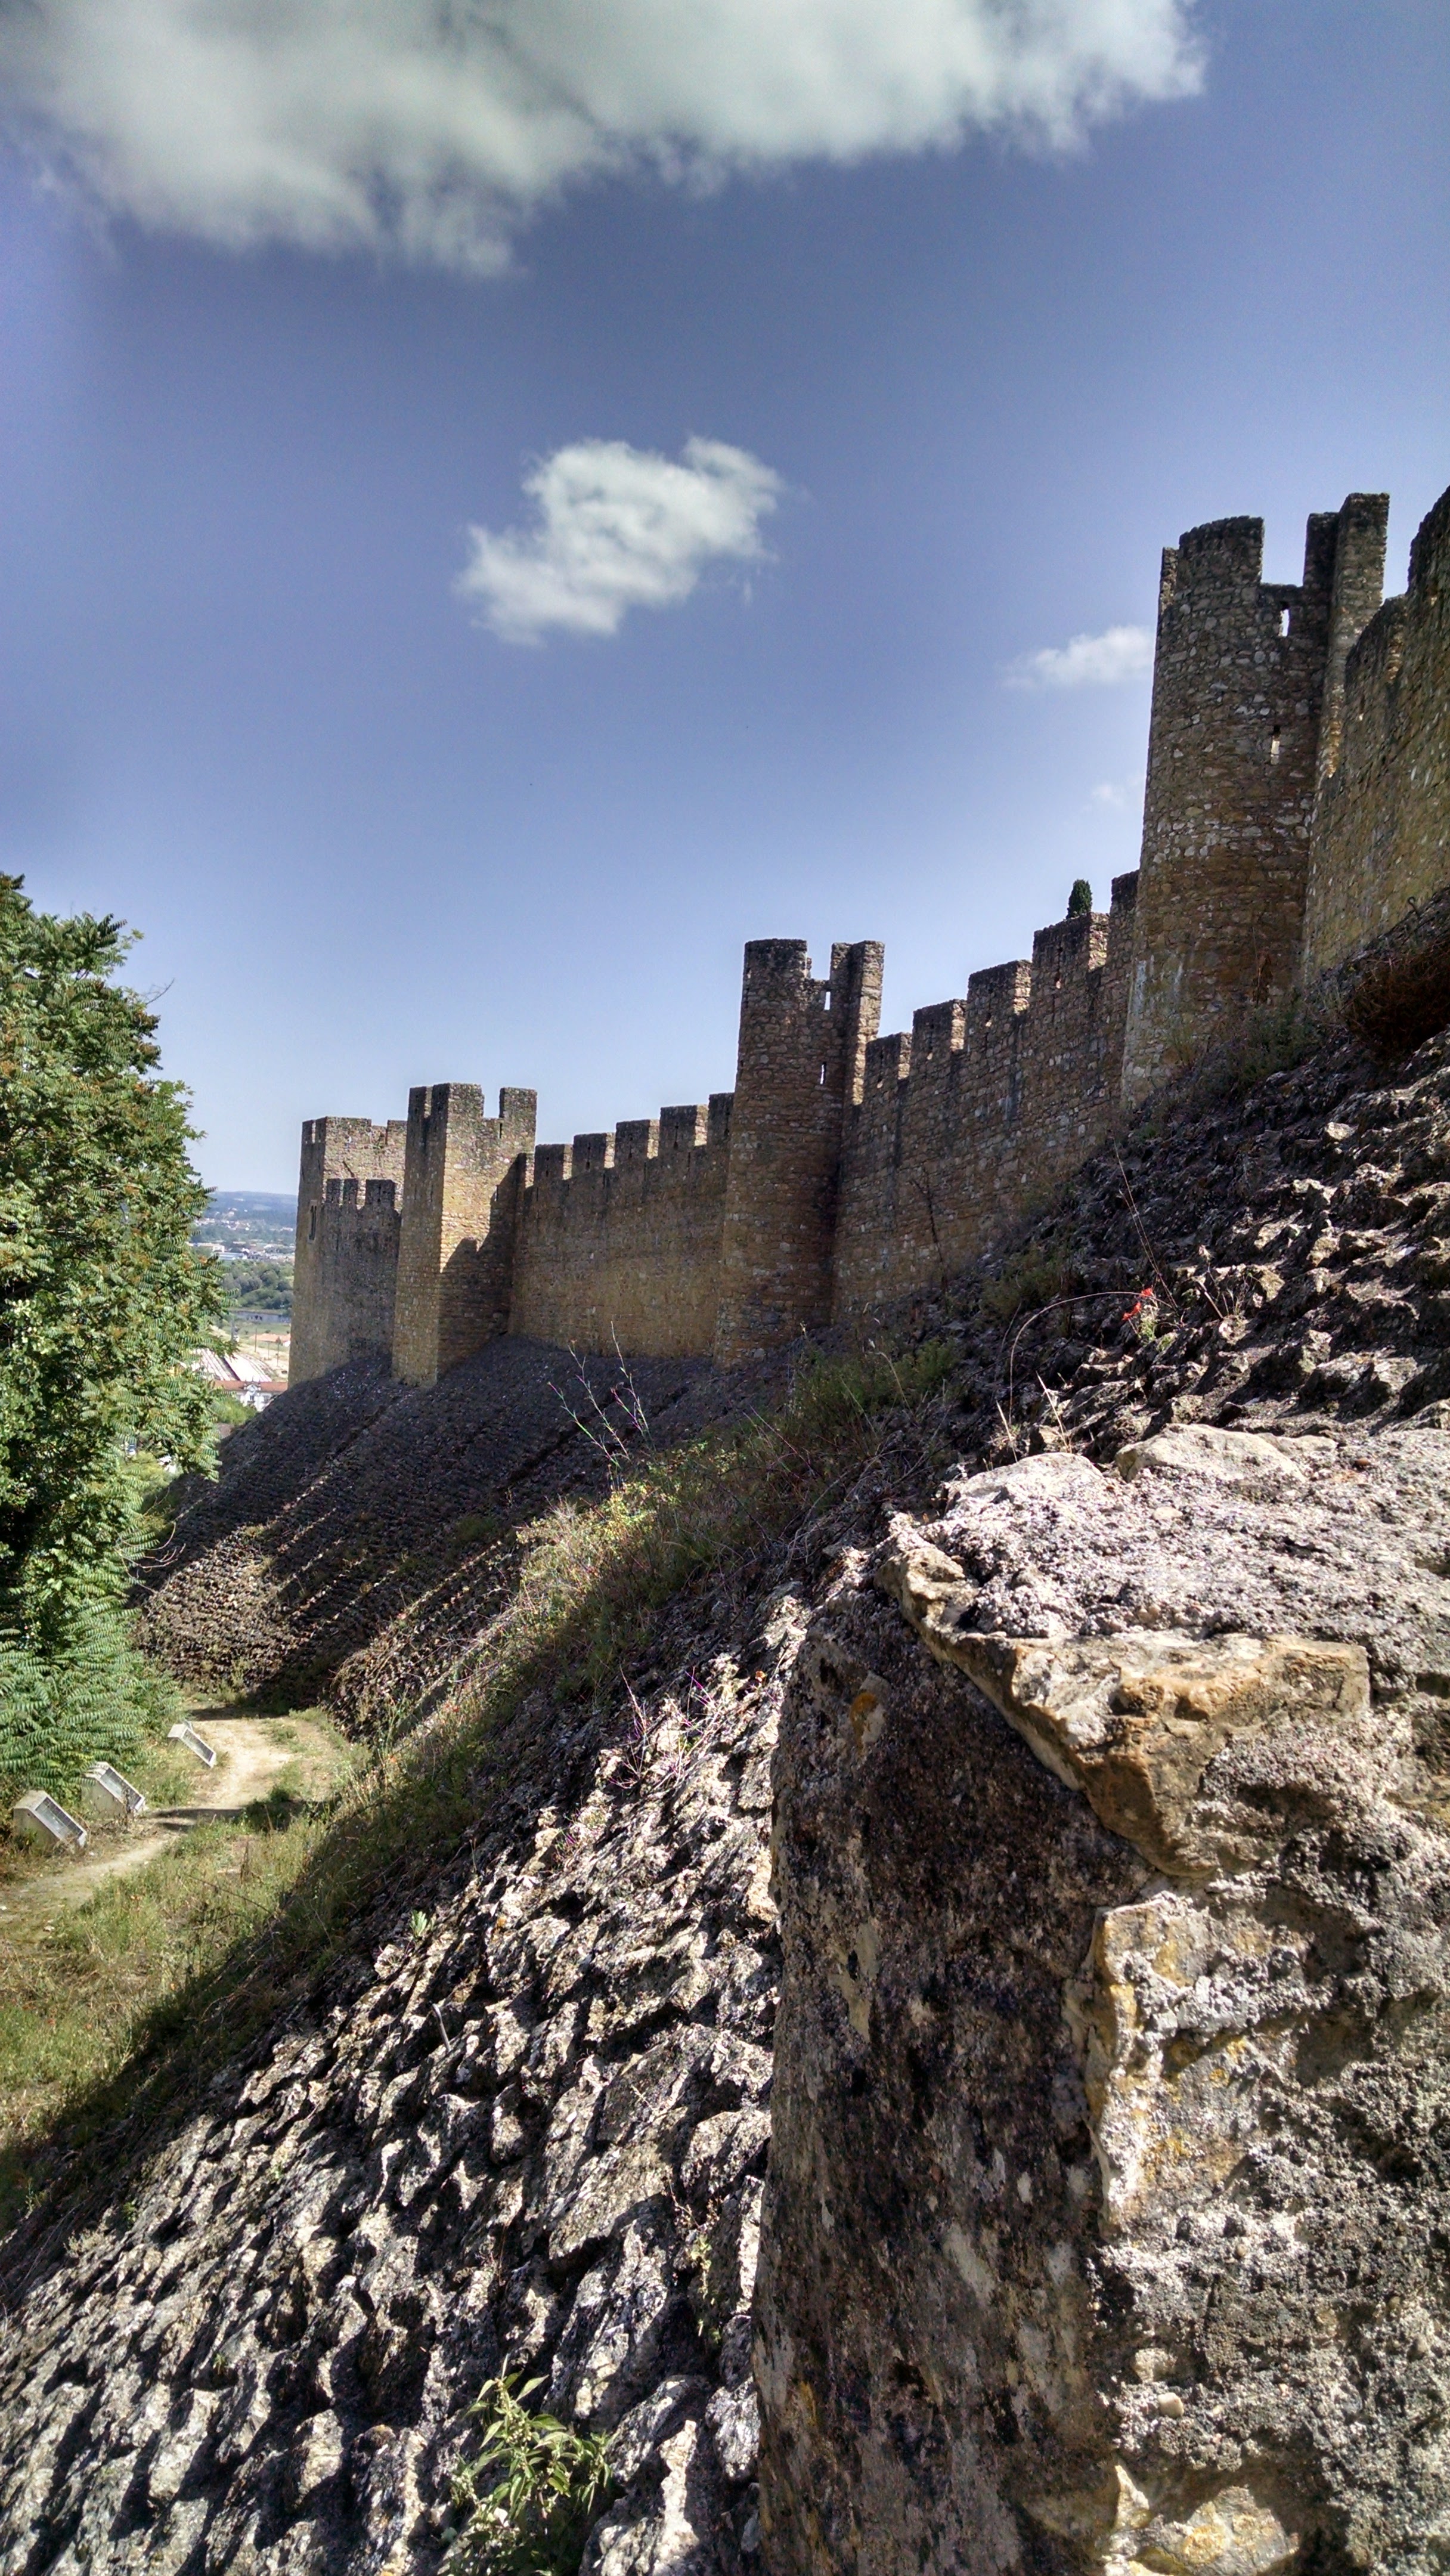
(529, 2128)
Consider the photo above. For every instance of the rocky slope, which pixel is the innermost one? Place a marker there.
(526, 2124)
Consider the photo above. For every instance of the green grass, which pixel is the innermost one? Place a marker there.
(142, 1995)
(75, 1992)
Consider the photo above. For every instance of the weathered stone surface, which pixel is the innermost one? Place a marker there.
(529, 2137)
(1113, 2074)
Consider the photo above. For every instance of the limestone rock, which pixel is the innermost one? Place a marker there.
(1114, 2043)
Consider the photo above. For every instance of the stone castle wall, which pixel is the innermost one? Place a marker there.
(1239, 695)
(345, 1270)
(1381, 838)
(619, 1235)
(1297, 803)
(985, 1107)
(462, 1178)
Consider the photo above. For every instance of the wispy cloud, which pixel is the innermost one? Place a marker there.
(1088, 662)
(1117, 794)
(431, 129)
(617, 527)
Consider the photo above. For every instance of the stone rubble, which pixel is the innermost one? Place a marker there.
(527, 2136)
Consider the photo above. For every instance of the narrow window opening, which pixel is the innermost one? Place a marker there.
(312, 1225)
(1283, 621)
(823, 1073)
(1275, 744)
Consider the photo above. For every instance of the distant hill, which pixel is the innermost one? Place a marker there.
(241, 1225)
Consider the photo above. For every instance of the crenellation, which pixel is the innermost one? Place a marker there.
(681, 1130)
(996, 995)
(1297, 803)
(463, 1177)
(1240, 677)
(324, 1324)
(1381, 838)
(593, 1154)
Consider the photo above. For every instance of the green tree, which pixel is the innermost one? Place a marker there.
(1081, 898)
(102, 1301)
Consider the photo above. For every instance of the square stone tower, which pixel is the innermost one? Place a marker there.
(1248, 683)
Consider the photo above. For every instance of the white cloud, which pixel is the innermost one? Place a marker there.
(617, 528)
(1118, 795)
(431, 126)
(1088, 662)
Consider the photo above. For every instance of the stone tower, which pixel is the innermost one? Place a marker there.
(343, 1161)
(462, 1179)
(1248, 684)
(802, 1053)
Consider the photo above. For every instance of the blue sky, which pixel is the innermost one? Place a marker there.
(957, 377)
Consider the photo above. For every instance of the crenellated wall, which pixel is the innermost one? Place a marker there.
(985, 1107)
(1297, 804)
(619, 1235)
(338, 1272)
(1381, 838)
(462, 1178)
(1241, 674)
(803, 1046)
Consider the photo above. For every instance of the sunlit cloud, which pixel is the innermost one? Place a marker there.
(430, 128)
(614, 528)
(1087, 662)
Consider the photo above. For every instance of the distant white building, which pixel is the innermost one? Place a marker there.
(241, 1376)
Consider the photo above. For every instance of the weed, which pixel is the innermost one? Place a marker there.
(1142, 1315)
(544, 2485)
(612, 1427)
(1039, 1276)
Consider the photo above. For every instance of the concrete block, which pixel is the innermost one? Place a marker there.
(194, 1743)
(109, 1797)
(39, 1818)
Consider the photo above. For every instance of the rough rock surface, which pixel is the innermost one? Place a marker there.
(527, 2133)
(258, 2350)
(1109, 2178)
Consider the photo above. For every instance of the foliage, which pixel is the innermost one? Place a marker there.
(91, 1695)
(1041, 1274)
(75, 1990)
(1081, 898)
(1269, 1038)
(102, 1299)
(1142, 1315)
(258, 1287)
(544, 2486)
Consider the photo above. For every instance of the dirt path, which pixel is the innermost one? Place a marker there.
(253, 1754)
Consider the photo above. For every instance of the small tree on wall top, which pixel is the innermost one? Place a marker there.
(1081, 898)
(102, 1297)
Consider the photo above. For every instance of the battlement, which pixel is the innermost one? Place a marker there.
(1247, 688)
(1298, 802)
(1381, 831)
(619, 1234)
(982, 1107)
(329, 1322)
(463, 1175)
